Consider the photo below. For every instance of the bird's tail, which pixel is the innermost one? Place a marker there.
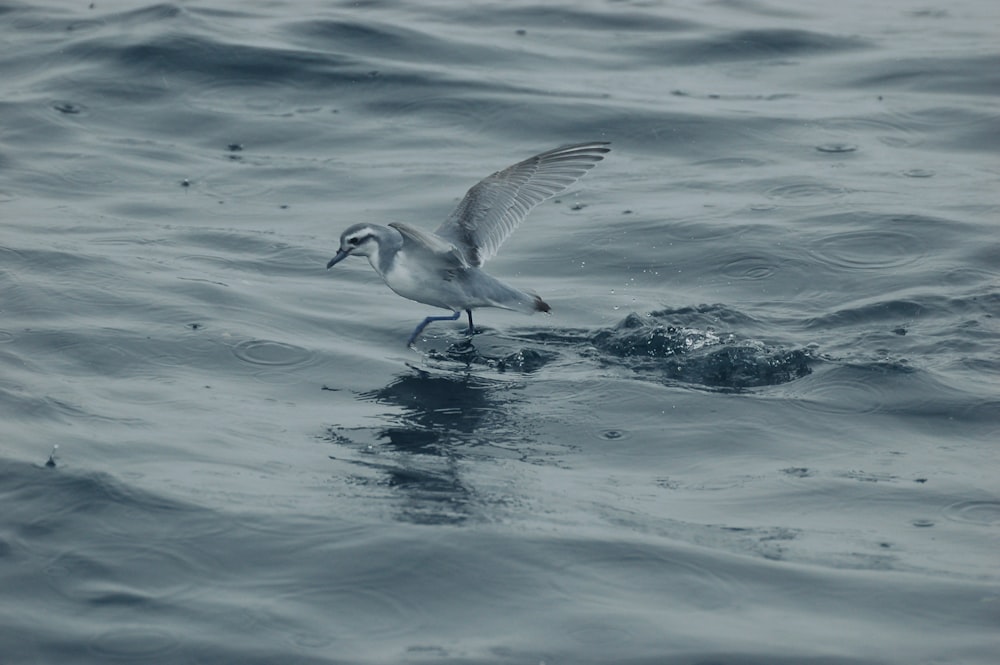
(491, 292)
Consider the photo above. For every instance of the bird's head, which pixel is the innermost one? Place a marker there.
(357, 240)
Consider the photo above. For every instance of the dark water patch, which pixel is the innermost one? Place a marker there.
(544, 19)
(500, 102)
(742, 97)
(967, 75)
(18, 403)
(694, 316)
(386, 43)
(659, 350)
(918, 307)
(420, 488)
(49, 502)
(438, 427)
(751, 45)
(42, 20)
(145, 17)
(676, 345)
(137, 565)
(189, 55)
(449, 403)
(525, 360)
(686, 346)
(756, 8)
(886, 311)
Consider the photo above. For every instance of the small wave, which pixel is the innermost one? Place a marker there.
(673, 345)
(699, 356)
(758, 45)
(843, 390)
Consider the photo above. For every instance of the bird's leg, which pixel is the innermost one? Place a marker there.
(428, 320)
(472, 331)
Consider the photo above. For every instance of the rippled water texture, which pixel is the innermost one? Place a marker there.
(759, 425)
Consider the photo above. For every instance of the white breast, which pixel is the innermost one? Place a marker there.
(412, 280)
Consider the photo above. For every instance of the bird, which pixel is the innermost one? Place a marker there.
(443, 268)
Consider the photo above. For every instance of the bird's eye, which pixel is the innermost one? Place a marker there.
(353, 242)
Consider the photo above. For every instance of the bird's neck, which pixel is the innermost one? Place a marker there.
(382, 254)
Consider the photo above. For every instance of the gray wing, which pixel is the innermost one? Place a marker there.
(492, 209)
(417, 240)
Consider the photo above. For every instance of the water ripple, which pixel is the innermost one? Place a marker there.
(874, 249)
(268, 352)
(648, 572)
(805, 193)
(842, 391)
(749, 268)
(132, 642)
(985, 513)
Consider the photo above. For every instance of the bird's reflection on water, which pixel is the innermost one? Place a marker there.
(435, 422)
(468, 403)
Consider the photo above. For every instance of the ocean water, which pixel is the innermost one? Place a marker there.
(759, 426)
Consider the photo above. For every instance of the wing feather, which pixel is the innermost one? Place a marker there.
(494, 207)
(419, 240)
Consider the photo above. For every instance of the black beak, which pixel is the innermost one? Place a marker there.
(341, 255)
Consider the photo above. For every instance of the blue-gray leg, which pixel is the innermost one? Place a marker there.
(472, 331)
(430, 319)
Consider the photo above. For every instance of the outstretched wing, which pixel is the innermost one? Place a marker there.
(492, 209)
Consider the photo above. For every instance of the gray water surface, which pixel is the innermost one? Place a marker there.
(759, 426)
